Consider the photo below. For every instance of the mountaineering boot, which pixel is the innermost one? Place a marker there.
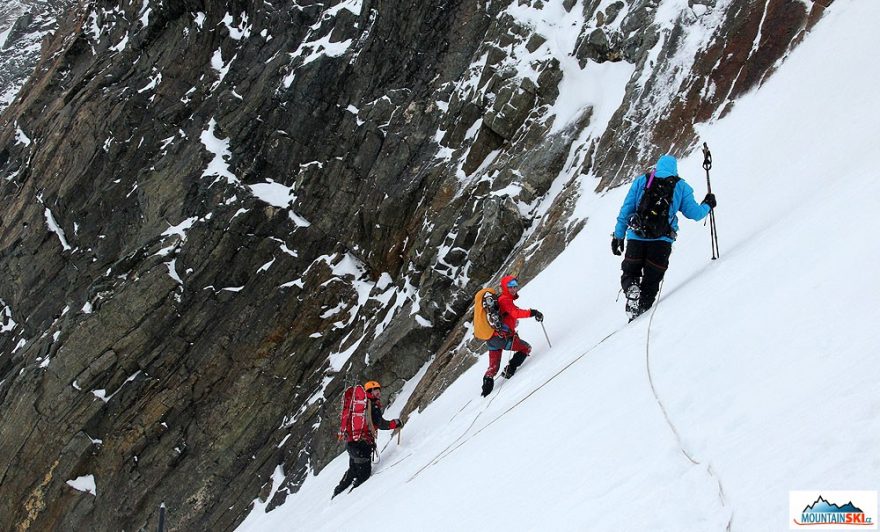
(488, 384)
(638, 312)
(633, 293)
(515, 361)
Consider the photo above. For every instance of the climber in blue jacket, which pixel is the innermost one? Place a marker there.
(649, 220)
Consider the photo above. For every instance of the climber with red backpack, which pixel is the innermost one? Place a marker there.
(361, 418)
(495, 321)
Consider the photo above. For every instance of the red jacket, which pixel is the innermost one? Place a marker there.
(510, 313)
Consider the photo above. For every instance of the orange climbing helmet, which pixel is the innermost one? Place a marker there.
(370, 385)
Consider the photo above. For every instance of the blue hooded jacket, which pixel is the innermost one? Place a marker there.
(682, 200)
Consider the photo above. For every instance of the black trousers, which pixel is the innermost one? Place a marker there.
(359, 466)
(645, 264)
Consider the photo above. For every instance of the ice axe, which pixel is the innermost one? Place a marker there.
(396, 431)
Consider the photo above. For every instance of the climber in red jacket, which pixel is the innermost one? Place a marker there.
(508, 339)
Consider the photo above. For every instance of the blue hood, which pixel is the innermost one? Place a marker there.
(666, 166)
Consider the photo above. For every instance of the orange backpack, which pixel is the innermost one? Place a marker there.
(487, 319)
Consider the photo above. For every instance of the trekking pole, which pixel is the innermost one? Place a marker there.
(707, 165)
(545, 334)
(162, 518)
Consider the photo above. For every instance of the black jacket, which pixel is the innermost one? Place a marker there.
(378, 421)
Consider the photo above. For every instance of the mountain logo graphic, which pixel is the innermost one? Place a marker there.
(823, 512)
(821, 505)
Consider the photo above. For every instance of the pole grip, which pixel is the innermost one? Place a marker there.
(707, 165)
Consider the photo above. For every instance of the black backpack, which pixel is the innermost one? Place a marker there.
(651, 219)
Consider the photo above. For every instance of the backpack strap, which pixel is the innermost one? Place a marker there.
(369, 413)
(650, 175)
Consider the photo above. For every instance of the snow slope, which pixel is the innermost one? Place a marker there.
(765, 361)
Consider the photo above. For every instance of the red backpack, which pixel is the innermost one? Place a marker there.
(356, 423)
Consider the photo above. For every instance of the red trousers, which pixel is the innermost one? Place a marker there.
(495, 354)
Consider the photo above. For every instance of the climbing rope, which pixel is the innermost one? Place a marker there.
(654, 388)
(450, 449)
(669, 422)
(392, 464)
(443, 454)
(459, 441)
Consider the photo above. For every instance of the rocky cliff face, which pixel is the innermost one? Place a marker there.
(23, 25)
(217, 215)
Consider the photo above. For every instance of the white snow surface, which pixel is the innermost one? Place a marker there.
(3, 35)
(55, 228)
(181, 228)
(764, 360)
(6, 322)
(220, 67)
(313, 47)
(218, 167)
(121, 45)
(21, 137)
(235, 32)
(600, 86)
(85, 484)
(274, 193)
(145, 13)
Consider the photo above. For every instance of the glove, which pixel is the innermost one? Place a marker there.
(710, 200)
(616, 245)
(537, 315)
(397, 424)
